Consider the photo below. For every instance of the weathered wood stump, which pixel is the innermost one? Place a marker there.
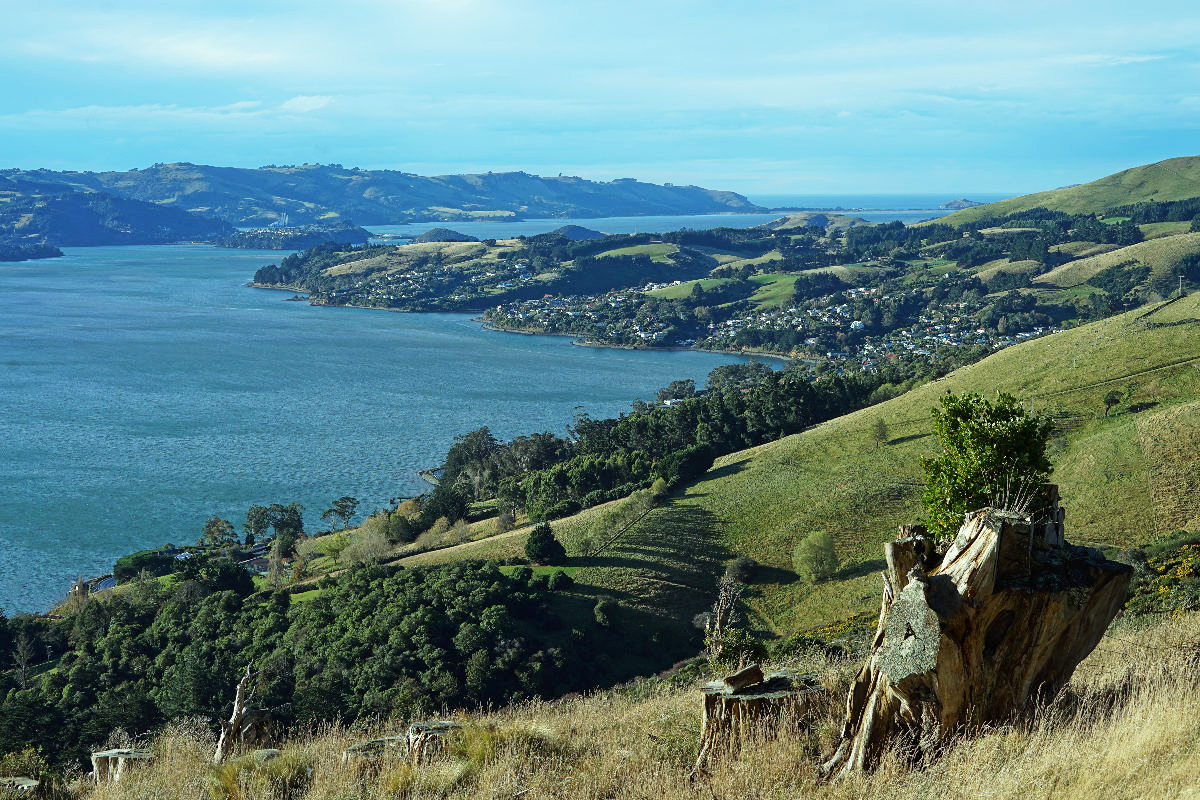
(427, 741)
(112, 765)
(969, 638)
(374, 750)
(749, 702)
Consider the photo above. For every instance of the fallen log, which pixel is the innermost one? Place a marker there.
(971, 637)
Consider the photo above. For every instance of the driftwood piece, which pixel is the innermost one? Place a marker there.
(427, 741)
(732, 712)
(241, 722)
(110, 765)
(1006, 614)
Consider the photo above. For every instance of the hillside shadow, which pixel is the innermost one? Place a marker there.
(910, 438)
(773, 576)
(723, 472)
(863, 568)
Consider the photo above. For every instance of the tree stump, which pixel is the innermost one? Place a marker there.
(376, 749)
(112, 765)
(746, 703)
(967, 639)
(427, 741)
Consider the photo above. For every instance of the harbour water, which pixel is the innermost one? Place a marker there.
(143, 389)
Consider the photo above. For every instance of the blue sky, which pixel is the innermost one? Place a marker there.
(757, 97)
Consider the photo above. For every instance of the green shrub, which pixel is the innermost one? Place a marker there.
(815, 557)
(603, 611)
(992, 453)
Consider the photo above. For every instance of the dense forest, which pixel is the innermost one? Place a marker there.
(377, 642)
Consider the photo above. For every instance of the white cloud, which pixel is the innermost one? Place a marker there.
(305, 103)
(1108, 60)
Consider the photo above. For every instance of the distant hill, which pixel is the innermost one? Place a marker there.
(960, 203)
(805, 219)
(577, 233)
(442, 235)
(99, 218)
(1173, 179)
(316, 193)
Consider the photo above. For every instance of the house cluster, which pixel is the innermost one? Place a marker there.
(433, 281)
(611, 317)
(829, 329)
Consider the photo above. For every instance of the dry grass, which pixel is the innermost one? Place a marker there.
(1124, 728)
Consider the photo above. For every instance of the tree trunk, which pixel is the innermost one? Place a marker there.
(1008, 613)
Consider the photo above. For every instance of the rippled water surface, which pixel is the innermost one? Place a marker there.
(144, 388)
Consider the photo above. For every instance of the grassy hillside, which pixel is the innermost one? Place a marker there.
(1125, 478)
(1161, 255)
(1114, 732)
(1173, 179)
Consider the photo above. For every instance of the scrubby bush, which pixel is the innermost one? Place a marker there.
(815, 557)
(603, 611)
(742, 569)
(541, 547)
(560, 581)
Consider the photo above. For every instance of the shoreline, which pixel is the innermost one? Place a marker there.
(576, 340)
(580, 342)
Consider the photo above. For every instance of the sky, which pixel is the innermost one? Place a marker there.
(756, 97)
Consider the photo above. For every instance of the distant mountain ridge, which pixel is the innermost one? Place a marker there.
(70, 219)
(316, 193)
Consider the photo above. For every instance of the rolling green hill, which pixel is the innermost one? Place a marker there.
(1125, 479)
(1173, 179)
(1162, 255)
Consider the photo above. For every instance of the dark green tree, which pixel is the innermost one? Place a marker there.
(1111, 399)
(541, 547)
(991, 453)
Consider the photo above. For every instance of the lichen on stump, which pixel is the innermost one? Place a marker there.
(969, 638)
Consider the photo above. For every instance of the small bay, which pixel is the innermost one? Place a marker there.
(143, 389)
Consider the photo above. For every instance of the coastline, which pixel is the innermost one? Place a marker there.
(576, 340)
(579, 342)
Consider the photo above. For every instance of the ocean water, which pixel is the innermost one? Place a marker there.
(143, 389)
